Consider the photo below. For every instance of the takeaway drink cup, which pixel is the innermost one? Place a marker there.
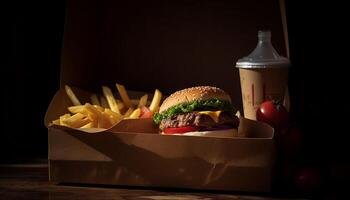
(263, 75)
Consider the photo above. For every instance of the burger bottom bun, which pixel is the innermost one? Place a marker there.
(216, 133)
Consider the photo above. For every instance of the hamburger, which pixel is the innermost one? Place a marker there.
(198, 111)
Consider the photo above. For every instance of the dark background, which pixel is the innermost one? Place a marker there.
(30, 76)
(318, 78)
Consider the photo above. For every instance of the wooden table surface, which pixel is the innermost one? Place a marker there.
(30, 181)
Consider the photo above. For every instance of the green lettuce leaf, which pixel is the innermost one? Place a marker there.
(201, 105)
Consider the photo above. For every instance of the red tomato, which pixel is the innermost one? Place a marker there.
(146, 113)
(183, 129)
(273, 113)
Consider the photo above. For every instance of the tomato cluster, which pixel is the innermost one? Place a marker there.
(290, 142)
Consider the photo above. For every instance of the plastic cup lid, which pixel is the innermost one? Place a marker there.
(264, 55)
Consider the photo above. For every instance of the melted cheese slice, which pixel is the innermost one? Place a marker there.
(213, 114)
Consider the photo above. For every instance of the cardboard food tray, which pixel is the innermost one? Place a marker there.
(133, 153)
(167, 45)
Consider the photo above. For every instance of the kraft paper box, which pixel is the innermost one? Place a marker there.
(169, 45)
(133, 153)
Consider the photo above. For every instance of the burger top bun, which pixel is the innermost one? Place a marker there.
(189, 95)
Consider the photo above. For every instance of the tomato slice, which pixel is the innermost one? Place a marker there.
(180, 130)
(146, 113)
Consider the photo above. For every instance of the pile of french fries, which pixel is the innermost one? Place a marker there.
(106, 111)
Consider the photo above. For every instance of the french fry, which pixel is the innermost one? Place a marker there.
(117, 116)
(72, 96)
(63, 117)
(110, 99)
(96, 116)
(99, 108)
(71, 119)
(77, 120)
(155, 101)
(124, 95)
(128, 112)
(135, 114)
(104, 102)
(56, 122)
(88, 125)
(92, 110)
(94, 100)
(82, 110)
(76, 109)
(143, 101)
(156, 110)
(110, 118)
(82, 122)
(104, 121)
(93, 114)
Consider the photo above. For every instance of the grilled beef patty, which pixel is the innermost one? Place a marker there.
(196, 119)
